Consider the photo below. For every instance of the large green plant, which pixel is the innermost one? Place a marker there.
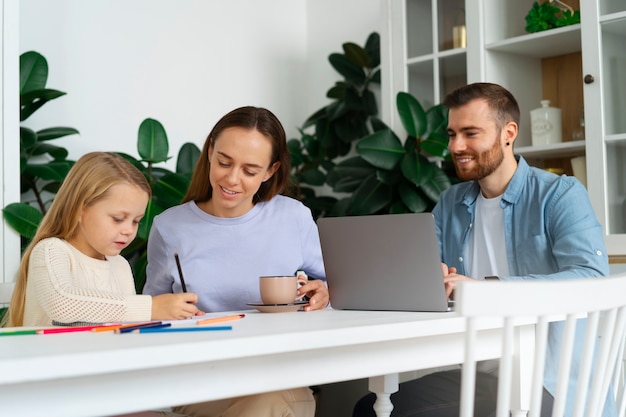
(43, 176)
(43, 166)
(389, 176)
(329, 133)
(354, 153)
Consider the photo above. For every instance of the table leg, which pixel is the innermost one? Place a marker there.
(383, 386)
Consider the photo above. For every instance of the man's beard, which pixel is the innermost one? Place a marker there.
(484, 163)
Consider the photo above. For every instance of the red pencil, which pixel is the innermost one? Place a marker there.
(54, 330)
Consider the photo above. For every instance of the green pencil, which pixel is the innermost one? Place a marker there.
(17, 332)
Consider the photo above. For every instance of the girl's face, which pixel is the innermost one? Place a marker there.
(240, 161)
(110, 224)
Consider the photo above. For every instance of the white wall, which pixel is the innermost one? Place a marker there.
(183, 62)
(330, 24)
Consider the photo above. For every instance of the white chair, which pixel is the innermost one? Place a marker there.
(517, 303)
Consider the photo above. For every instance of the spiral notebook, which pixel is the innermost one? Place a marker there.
(383, 262)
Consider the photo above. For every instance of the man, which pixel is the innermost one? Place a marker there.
(506, 221)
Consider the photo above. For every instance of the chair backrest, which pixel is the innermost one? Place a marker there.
(601, 300)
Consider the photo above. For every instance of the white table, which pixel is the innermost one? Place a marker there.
(91, 374)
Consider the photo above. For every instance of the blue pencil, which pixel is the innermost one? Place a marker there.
(180, 329)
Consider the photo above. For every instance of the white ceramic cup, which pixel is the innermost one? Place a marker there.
(281, 289)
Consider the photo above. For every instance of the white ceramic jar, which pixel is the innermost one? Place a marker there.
(545, 123)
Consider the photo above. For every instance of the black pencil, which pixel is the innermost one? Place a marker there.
(180, 272)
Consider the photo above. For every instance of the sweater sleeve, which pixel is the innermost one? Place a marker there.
(311, 247)
(70, 288)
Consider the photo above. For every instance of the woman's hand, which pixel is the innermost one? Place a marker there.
(317, 292)
(175, 306)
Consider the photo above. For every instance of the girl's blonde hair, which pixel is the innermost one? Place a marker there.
(86, 183)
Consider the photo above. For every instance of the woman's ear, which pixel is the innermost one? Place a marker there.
(271, 171)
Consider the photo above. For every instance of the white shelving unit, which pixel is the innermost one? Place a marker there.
(417, 57)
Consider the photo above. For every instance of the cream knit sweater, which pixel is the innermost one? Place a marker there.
(68, 286)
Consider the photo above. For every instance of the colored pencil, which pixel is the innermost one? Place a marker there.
(142, 326)
(180, 329)
(180, 272)
(17, 332)
(121, 326)
(220, 319)
(76, 329)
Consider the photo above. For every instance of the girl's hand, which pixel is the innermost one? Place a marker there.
(175, 306)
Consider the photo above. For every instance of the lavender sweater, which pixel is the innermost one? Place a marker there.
(222, 258)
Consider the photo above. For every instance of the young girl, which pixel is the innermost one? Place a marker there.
(72, 271)
(234, 226)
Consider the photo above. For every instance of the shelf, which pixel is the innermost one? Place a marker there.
(557, 150)
(619, 139)
(430, 57)
(548, 43)
(616, 25)
(613, 17)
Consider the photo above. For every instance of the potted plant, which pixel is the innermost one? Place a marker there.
(44, 166)
(388, 176)
(329, 133)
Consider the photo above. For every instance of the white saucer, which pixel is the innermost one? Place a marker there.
(278, 308)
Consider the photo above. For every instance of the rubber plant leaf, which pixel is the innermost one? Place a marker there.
(349, 70)
(382, 149)
(33, 72)
(356, 54)
(152, 210)
(411, 197)
(371, 197)
(170, 189)
(412, 114)
(23, 218)
(187, 158)
(152, 144)
(437, 182)
(55, 133)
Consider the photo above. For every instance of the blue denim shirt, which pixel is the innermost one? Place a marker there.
(551, 232)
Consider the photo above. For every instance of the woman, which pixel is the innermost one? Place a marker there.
(232, 227)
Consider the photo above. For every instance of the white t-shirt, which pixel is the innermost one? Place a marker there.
(486, 250)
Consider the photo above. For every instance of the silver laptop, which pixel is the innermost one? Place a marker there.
(385, 262)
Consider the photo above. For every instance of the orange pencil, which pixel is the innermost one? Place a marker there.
(121, 326)
(220, 319)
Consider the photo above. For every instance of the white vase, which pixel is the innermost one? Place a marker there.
(545, 123)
